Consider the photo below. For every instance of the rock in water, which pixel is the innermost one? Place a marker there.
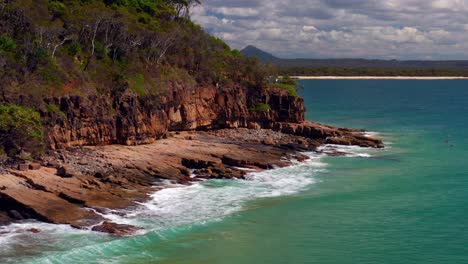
(116, 229)
(34, 230)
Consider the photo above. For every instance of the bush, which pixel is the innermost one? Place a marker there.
(20, 130)
(57, 6)
(288, 87)
(137, 84)
(74, 48)
(54, 109)
(287, 80)
(6, 44)
(50, 73)
(260, 107)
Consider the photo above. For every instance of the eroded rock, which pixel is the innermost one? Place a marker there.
(65, 171)
(116, 229)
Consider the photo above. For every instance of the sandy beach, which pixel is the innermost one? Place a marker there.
(377, 78)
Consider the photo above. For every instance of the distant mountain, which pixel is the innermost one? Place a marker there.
(251, 51)
(373, 64)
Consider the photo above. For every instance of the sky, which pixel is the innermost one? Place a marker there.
(379, 29)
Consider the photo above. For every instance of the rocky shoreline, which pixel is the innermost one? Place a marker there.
(76, 185)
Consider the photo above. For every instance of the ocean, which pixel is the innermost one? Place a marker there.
(407, 203)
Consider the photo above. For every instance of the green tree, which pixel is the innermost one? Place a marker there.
(6, 44)
(20, 130)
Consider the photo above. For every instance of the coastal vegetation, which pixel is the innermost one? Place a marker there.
(260, 107)
(286, 83)
(106, 49)
(20, 130)
(102, 45)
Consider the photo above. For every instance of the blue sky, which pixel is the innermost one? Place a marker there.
(383, 29)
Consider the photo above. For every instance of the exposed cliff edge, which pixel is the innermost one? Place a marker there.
(125, 95)
(87, 172)
(130, 119)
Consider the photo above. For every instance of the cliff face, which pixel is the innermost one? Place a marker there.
(100, 177)
(130, 119)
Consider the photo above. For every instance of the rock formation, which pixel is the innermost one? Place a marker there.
(196, 134)
(131, 120)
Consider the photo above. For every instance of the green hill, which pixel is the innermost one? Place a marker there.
(98, 67)
(55, 47)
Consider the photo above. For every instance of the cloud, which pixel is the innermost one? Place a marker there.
(400, 29)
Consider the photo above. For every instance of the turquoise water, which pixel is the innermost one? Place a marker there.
(404, 204)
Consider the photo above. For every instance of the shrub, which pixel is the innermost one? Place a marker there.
(20, 130)
(137, 84)
(288, 87)
(287, 80)
(54, 109)
(260, 107)
(74, 48)
(50, 73)
(57, 6)
(6, 44)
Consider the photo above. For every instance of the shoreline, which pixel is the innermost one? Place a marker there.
(97, 179)
(379, 77)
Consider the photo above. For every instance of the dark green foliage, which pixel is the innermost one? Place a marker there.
(57, 6)
(74, 49)
(93, 42)
(20, 130)
(260, 107)
(54, 109)
(50, 74)
(286, 83)
(288, 87)
(137, 84)
(7, 44)
(104, 48)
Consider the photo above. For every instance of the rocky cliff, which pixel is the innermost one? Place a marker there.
(131, 119)
(70, 181)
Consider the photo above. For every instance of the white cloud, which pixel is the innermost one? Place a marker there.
(236, 11)
(342, 28)
(309, 28)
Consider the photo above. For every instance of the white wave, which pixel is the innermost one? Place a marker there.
(213, 200)
(177, 206)
(18, 237)
(371, 134)
(346, 151)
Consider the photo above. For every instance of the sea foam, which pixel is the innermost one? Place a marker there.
(174, 208)
(212, 200)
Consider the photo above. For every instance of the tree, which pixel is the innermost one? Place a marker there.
(6, 44)
(20, 130)
(182, 7)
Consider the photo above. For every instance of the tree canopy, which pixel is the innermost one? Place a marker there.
(54, 47)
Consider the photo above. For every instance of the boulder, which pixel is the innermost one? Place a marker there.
(268, 141)
(34, 166)
(83, 162)
(116, 229)
(23, 167)
(52, 164)
(34, 230)
(65, 171)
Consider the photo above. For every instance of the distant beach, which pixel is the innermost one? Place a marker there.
(378, 77)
